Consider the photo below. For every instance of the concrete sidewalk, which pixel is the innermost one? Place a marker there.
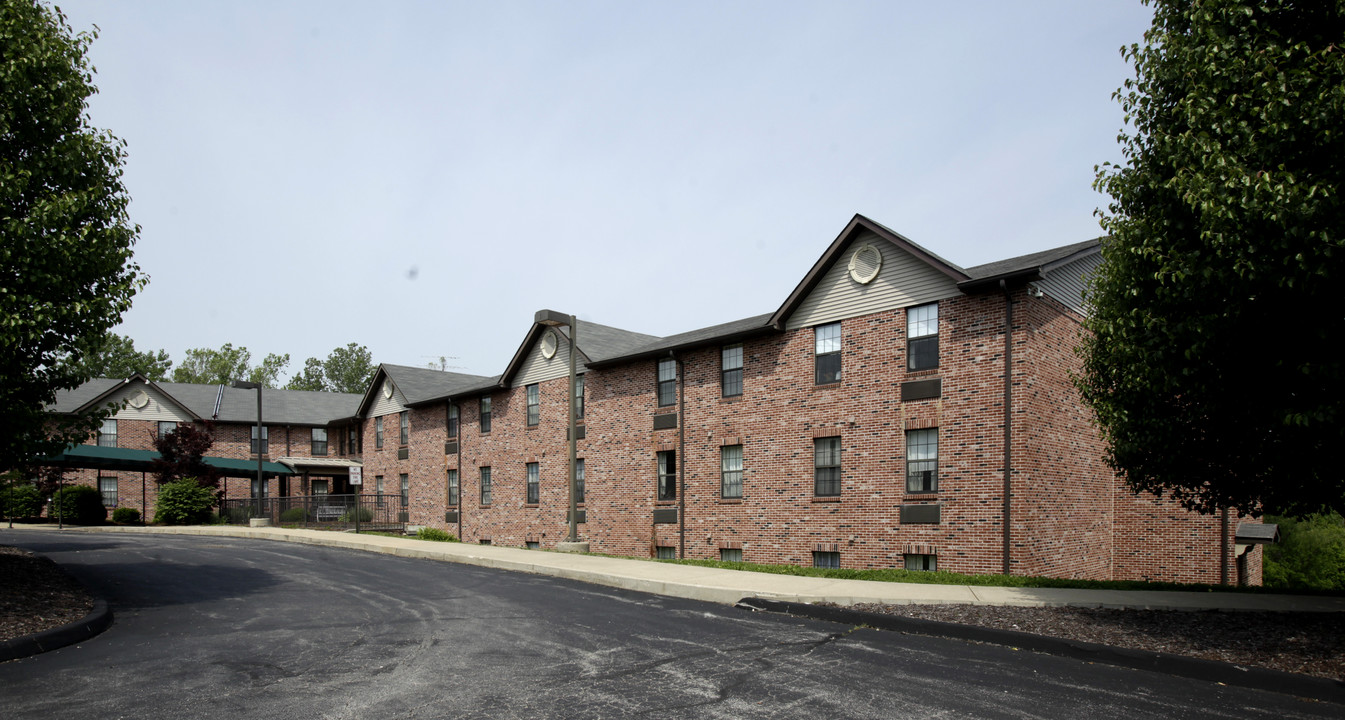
(730, 586)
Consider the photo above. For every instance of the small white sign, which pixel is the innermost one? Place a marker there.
(357, 476)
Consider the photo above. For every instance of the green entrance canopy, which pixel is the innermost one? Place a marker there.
(110, 458)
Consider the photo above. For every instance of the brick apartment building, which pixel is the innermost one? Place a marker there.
(895, 410)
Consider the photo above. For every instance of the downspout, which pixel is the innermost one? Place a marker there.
(682, 460)
(1223, 547)
(462, 504)
(1008, 416)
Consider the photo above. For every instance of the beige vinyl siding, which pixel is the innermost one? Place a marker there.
(388, 406)
(904, 280)
(536, 368)
(1068, 282)
(158, 408)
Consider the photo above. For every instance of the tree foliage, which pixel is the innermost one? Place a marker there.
(66, 273)
(183, 502)
(346, 370)
(180, 455)
(1310, 553)
(117, 358)
(1209, 361)
(227, 364)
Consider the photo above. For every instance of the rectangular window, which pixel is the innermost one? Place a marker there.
(826, 559)
(266, 442)
(485, 486)
(534, 405)
(405, 421)
(453, 488)
(730, 555)
(579, 396)
(827, 353)
(922, 460)
(352, 442)
(667, 475)
(406, 488)
(378, 488)
(827, 466)
(107, 486)
(579, 480)
(485, 414)
(107, 434)
(452, 421)
(731, 478)
(378, 433)
(320, 487)
(667, 382)
(922, 337)
(319, 441)
(166, 427)
(731, 371)
(532, 545)
(534, 483)
(666, 552)
(922, 562)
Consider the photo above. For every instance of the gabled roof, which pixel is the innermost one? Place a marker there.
(1026, 267)
(714, 335)
(838, 247)
(418, 385)
(279, 407)
(596, 344)
(97, 391)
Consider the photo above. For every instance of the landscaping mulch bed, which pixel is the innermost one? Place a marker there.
(36, 594)
(1306, 643)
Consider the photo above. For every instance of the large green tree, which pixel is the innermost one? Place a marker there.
(346, 370)
(1210, 362)
(227, 364)
(118, 358)
(66, 270)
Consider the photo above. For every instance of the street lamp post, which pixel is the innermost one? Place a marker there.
(258, 490)
(551, 318)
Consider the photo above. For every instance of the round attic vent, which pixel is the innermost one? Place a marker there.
(549, 344)
(387, 390)
(139, 399)
(865, 264)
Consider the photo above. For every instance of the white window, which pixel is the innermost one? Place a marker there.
(827, 353)
(922, 337)
(731, 473)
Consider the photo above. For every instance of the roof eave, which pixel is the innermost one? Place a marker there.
(664, 351)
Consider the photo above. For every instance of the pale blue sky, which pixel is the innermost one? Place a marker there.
(421, 177)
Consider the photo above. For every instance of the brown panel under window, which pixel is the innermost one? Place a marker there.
(665, 516)
(579, 431)
(920, 514)
(665, 421)
(921, 389)
(402, 453)
(580, 517)
(451, 516)
(451, 447)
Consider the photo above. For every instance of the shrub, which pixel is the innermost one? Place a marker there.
(294, 514)
(184, 503)
(435, 534)
(78, 505)
(366, 515)
(1310, 554)
(21, 501)
(125, 516)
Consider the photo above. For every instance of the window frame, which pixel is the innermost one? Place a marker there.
(821, 472)
(452, 423)
(579, 484)
(378, 433)
(733, 555)
(730, 477)
(918, 562)
(265, 441)
(922, 463)
(665, 388)
(105, 437)
(731, 376)
(404, 480)
(917, 345)
(160, 427)
(453, 487)
(486, 489)
(579, 396)
(827, 352)
(404, 428)
(827, 559)
(484, 414)
(318, 447)
(533, 473)
(533, 394)
(665, 488)
(109, 500)
(379, 489)
(352, 440)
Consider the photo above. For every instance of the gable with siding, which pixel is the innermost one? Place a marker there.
(1068, 282)
(537, 367)
(156, 406)
(903, 280)
(384, 405)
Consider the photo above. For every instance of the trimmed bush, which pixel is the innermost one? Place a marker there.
(435, 534)
(184, 503)
(125, 516)
(78, 505)
(21, 501)
(294, 514)
(366, 515)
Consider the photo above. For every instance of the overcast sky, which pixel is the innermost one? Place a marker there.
(421, 177)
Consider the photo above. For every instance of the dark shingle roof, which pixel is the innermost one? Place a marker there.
(282, 407)
(1026, 263)
(715, 334)
(420, 385)
(599, 342)
(72, 400)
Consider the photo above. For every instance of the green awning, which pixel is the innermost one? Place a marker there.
(110, 458)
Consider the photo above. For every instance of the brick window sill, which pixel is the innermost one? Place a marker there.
(827, 386)
(730, 501)
(665, 502)
(731, 398)
(483, 507)
(827, 499)
(922, 496)
(927, 372)
(531, 505)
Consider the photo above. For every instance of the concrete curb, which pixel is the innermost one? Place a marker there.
(98, 620)
(1195, 668)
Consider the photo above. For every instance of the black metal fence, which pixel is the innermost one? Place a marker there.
(323, 512)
